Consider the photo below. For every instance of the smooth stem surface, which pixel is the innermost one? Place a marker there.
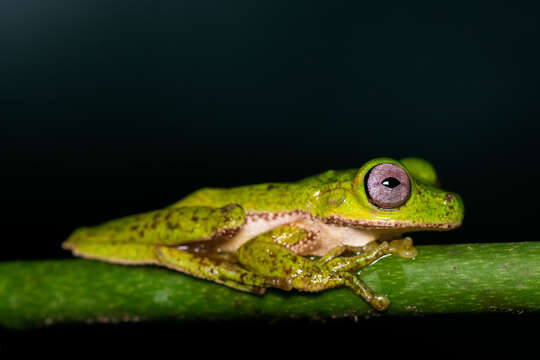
(443, 279)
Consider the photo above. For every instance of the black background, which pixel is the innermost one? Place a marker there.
(112, 108)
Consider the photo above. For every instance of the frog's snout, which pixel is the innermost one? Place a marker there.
(454, 209)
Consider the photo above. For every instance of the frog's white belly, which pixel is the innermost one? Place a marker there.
(323, 236)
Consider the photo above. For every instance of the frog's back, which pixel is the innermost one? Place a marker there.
(267, 197)
(253, 198)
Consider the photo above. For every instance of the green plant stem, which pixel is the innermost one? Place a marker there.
(443, 279)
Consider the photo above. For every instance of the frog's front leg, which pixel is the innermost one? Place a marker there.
(266, 255)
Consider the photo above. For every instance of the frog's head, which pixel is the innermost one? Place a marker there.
(401, 195)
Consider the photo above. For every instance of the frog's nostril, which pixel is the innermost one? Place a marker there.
(448, 197)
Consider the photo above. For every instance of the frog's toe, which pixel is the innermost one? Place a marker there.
(404, 248)
(380, 302)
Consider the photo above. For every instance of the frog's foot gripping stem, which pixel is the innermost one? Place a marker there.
(403, 248)
(342, 270)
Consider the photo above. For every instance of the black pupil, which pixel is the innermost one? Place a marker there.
(390, 182)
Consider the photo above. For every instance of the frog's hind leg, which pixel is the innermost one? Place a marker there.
(131, 240)
(213, 269)
(267, 256)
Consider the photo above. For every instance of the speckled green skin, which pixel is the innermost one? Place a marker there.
(132, 239)
(163, 237)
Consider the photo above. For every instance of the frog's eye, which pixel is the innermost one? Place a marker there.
(387, 186)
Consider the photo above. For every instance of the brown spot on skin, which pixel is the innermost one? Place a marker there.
(223, 234)
(448, 197)
(141, 233)
(172, 226)
(227, 208)
(418, 192)
(195, 218)
(451, 207)
(270, 187)
(134, 227)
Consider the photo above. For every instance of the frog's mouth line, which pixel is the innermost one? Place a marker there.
(406, 226)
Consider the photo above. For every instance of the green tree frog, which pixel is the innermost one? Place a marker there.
(310, 235)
